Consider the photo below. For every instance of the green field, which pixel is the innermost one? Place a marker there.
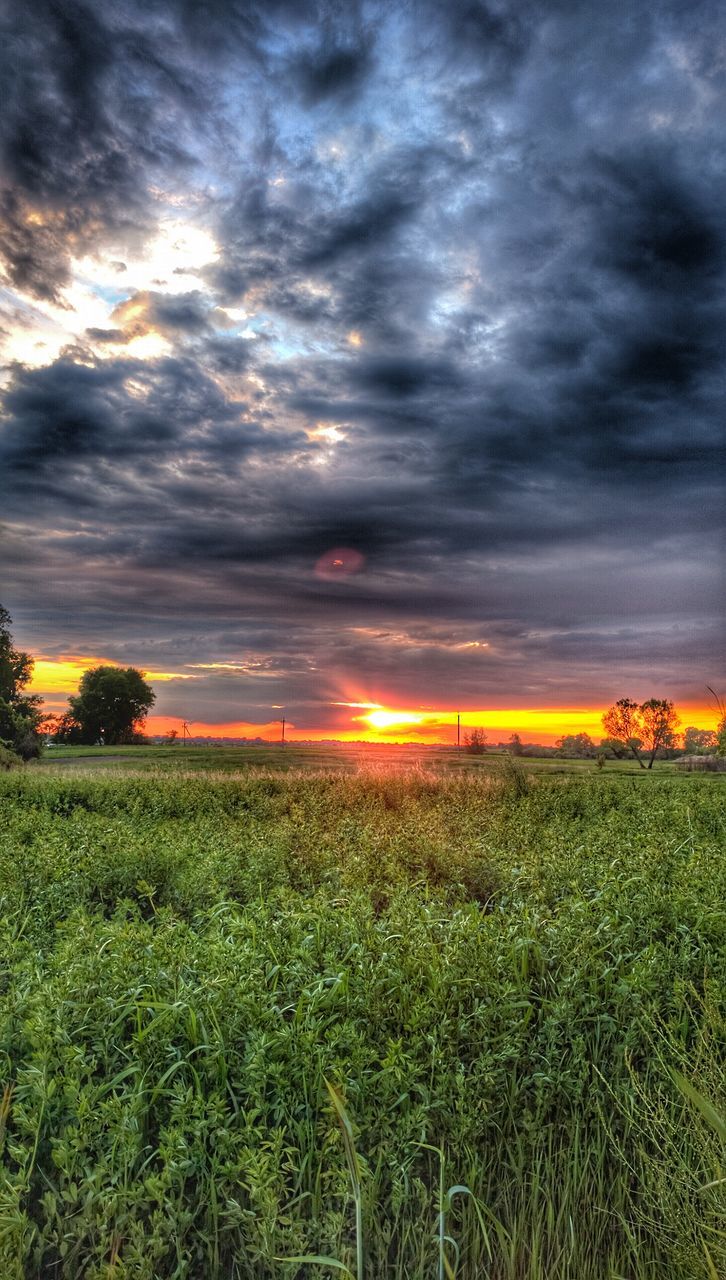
(498, 970)
(339, 756)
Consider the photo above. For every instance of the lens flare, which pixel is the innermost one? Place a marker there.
(339, 562)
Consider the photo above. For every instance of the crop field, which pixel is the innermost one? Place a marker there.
(348, 758)
(421, 1023)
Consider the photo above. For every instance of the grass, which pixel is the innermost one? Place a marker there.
(510, 983)
(349, 758)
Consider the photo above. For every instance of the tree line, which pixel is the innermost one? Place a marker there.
(643, 731)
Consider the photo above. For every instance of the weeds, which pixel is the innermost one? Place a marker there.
(511, 986)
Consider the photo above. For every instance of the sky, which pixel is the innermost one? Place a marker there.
(366, 358)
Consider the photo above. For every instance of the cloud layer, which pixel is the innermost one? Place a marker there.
(440, 284)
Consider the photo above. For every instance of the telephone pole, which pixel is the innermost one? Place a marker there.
(458, 731)
(282, 741)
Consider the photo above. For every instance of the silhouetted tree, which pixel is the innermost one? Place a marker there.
(475, 743)
(111, 704)
(515, 745)
(652, 726)
(698, 742)
(576, 745)
(659, 723)
(622, 722)
(20, 714)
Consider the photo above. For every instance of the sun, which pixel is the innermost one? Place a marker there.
(380, 719)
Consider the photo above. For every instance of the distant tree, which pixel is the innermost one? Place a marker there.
(577, 746)
(698, 742)
(650, 726)
(622, 722)
(172, 736)
(475, 743)
(721, 726)
(68, 730)
(614, 747)
(20, 714)
(111, 705)
(515, 745)
(659, 723)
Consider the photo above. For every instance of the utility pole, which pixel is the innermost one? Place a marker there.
(458, 731)
(282, 743)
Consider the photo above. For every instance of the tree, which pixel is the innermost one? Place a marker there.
(515, 745)
(622, 722)
(19, 711)
(659, 723)
(67, 730)
(111, 704)
(615, 747)
(698, 742)
(475, 743)
(721, 726)
(576, 745)
(651, 725)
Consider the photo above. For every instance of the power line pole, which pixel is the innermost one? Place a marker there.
(282, 743)
(458, 731)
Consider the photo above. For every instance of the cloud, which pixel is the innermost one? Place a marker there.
(93, 107)
(518, 212)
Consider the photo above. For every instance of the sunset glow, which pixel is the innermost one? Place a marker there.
(358, 720)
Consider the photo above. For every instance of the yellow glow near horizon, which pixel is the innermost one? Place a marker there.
(57, 677)
(63, 674)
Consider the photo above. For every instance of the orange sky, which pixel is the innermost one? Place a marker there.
(56, 678)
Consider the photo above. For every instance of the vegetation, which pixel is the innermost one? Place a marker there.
(698, 742)
(475, 743)
(510, 983)
(577, 745)
(19, 711)
(650, 726)
(111, 706)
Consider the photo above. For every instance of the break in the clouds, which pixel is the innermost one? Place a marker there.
(437, 284)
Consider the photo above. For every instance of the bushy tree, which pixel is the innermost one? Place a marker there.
(475, 743)
(659, 723)
(651, 726)
(111, 704)
(515, 745)
(698, 742)
(577, 746)
(19, 711)
(622, 723)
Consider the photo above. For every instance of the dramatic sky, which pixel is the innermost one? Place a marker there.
(366, 353)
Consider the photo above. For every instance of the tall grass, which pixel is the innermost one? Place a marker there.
(505, 986)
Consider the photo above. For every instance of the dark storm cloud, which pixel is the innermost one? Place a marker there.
(333, 69)
(481, 244)
(93, 105)
(173, 315)
(66, 424)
